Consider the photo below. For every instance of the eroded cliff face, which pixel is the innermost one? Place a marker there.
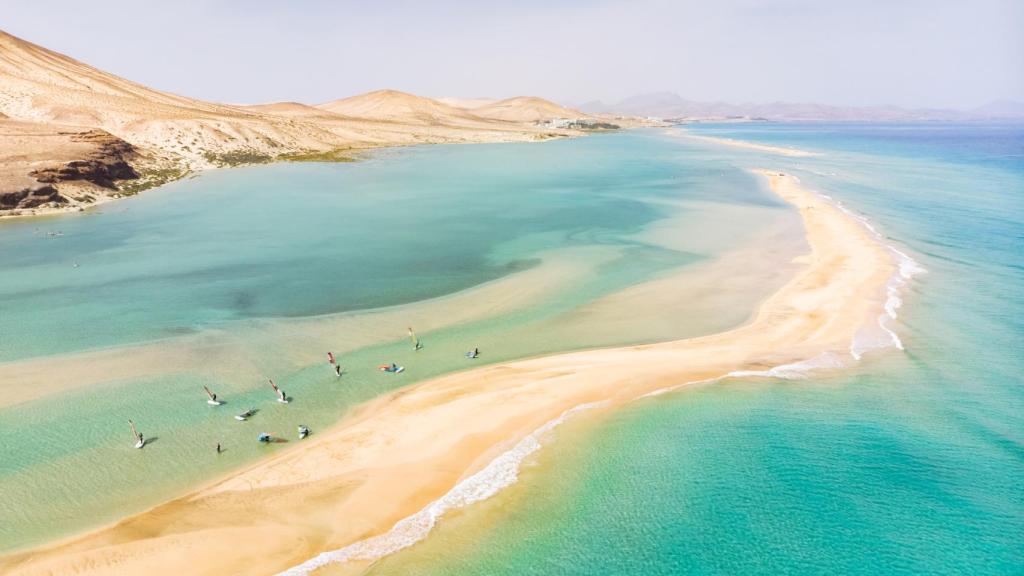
(57, 168)
(30, 197)
(103, 167)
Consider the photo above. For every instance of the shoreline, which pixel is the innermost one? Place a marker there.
(189, 169)
(350, 472)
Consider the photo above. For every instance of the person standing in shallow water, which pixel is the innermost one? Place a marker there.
(218, 448)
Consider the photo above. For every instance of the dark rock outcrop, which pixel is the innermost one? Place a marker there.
(30, 197)
(107, 164)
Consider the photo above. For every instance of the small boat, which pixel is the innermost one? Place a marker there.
(139, 440)
(213, 398)
(473, 354)
(393, 368)
(245, 415)
(264, 437)
(303, 432)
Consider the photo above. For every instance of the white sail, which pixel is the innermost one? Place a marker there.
(138, 437)
(213, 397)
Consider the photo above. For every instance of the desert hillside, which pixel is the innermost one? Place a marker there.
(466, 103)
(395, 106)
(69, 130)
(86, 163)
(292, 109)
(526, 109)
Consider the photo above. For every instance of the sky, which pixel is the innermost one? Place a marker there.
(913, 53)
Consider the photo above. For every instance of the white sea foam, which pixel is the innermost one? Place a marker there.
(907, 268)
(668, 389)
(792, 371)
(500, 473)
(881, 335)
(795, 370)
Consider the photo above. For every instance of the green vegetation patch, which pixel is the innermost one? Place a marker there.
(336, 155)
(150, 178)
(237, 157)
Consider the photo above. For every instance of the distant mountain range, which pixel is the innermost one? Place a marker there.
(669, 105)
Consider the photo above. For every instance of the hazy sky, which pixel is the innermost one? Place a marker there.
(943, 53)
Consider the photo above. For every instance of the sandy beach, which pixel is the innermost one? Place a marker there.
(406, 450)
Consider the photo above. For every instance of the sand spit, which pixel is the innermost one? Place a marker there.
(781, 150)
(404, 453)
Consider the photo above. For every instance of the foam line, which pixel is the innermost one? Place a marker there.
(871, 338)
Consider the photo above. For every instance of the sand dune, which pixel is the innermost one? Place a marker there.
(290, 109)
(392, 105)
(357, 480)
(173, 135)
(526, 109)
(467, 103)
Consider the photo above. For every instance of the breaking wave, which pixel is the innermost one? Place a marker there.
(881, 335)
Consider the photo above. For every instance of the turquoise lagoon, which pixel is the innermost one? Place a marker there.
(908, 463)
(236, 276)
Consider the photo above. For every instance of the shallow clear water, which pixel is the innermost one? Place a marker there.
(239, 275)
(302, 239)
(910, 463)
